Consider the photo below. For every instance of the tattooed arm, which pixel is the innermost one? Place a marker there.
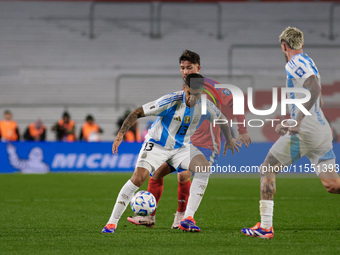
(128, 122)
(312, 84)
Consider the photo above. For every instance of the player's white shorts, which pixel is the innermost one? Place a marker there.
(313, 141)
(152, 156)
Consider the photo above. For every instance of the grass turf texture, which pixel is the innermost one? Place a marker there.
(65, 213)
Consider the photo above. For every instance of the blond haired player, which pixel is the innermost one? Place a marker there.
(311, 137)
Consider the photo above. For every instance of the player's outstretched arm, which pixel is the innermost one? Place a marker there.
(128, 122)
(230, 142)
(226, 108)
(312, 84)
(244, 137)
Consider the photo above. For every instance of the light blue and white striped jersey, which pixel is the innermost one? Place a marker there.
(176, 122)
(298, 69)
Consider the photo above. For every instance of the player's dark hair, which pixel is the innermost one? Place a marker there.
(190, 56)
(194, 81)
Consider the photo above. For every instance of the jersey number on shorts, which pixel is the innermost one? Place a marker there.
(148, 146)
(185, 128)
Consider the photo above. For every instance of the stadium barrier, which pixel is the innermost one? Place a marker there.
(233, 47)
(96, 3)
(155, 13)
(158, 15)
(44, 157)
(118, 97)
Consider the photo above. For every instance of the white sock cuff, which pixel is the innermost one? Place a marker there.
(132, 186)
(202, 176)
(266, 207)
(267, 202)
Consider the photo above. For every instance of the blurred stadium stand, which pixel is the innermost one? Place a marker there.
(49, 64)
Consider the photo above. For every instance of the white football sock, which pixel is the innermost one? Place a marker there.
(266, 211)
(197, 189)
(122, 201)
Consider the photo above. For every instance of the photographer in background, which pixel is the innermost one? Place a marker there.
(90, 130)
(9, 128)
(65, 129)
(36, 131)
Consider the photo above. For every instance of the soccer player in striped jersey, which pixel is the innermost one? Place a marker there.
(311, 137)
(206, 139)
(168, 140)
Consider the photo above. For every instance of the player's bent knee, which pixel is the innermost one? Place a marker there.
(329, 178)
(184, 176)
(199, 164)
(266, 171)
(139, 176)
(270, 167)
(332, 185)
(161, 172)
(332, 189)
(156, 176)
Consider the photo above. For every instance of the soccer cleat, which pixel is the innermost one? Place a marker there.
(257, 231)
(189, 225)
(148, 221)
(109, 228)
(178, 217)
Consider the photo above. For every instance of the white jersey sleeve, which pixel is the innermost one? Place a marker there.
(160, 106)
(298, 69)
(301, 66)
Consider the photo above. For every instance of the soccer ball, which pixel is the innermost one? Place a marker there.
(143, 203)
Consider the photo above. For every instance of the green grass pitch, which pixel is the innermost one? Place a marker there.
(64, 214)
